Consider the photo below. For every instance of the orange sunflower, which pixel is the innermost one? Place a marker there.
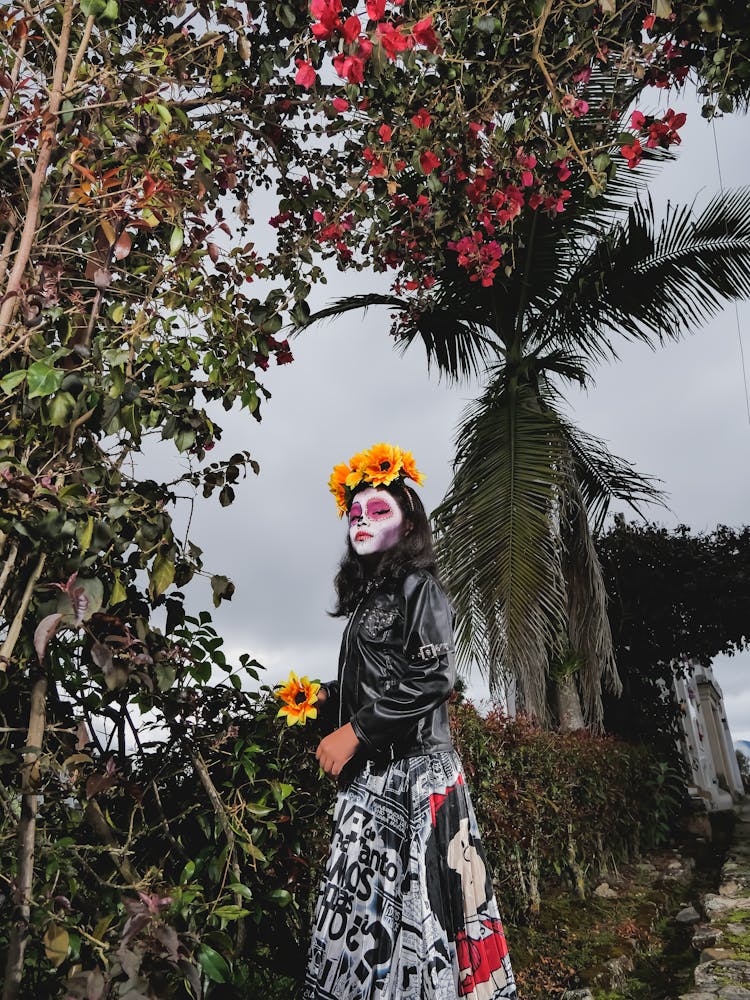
(337, 485)
(382, 464)
(299, 695)
(410, 470)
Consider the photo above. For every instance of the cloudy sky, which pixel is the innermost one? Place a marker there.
(679, 413)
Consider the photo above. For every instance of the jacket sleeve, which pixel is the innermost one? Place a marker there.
(329, 709)
(429, 673)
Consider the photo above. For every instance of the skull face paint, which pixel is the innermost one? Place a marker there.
(375, 522)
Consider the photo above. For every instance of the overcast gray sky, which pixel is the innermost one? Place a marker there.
(678, 413)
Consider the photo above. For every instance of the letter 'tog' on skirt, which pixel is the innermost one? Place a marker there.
(406, 909)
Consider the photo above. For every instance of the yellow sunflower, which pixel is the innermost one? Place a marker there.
(410, 470)
(382, 464)
(299, 695)
(356, 469)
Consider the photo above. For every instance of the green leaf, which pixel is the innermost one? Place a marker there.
(165, 676)
(61, 409)
(95, 7)
(213, 964)
(281, 897)
(86, 533)
(162, 574)
(118, 591)
(111, 12)
(176, 240)
(231, 912)
(43, 380)
(238, 888)
(11, 381)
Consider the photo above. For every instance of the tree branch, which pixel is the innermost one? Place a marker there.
(46, 144)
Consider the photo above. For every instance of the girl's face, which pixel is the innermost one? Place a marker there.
(376, 522)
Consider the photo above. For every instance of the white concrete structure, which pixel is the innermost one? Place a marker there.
(707, 742)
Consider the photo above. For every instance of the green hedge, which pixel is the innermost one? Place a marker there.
(224, 819)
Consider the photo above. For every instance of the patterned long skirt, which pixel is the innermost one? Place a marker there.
(406, 909)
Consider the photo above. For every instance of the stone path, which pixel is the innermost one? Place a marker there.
(723, 938)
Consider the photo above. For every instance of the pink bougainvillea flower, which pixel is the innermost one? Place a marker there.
(350, 29)
(350, 68)
(283, 355)
(391, 39)
(580, 108)
(428, 161)
(633, 153)
(582, 75)
(568, 103)
(385, 132)
(318, 216)
(637, 120)
(377, 168)
(375, 9)
(364, 51)
(424, 34)
(563, 170)
(421, 119)
(326, 13)
(339, 104)
(306, 75)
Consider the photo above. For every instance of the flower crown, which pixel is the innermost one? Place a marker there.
(378, 466)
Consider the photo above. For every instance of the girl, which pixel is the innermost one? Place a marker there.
(406, 910)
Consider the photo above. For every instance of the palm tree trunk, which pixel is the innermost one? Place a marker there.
(568, 701)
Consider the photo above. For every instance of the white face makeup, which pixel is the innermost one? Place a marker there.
(375, 522)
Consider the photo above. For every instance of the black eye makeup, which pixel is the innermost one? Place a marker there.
(378, 509)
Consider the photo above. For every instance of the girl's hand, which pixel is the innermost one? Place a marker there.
(337, 750)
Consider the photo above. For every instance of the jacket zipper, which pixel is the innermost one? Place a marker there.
(346, 656)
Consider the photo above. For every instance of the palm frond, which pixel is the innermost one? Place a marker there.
(354, 303)
(496, 543)
(588, 623)
(603, 477)
(654, 281)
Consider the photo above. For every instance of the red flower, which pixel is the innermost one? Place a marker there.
(351, 29)
(283, 355)
(648, 21)
(424, 34)
(563, 170)
(340, 104)
(428, 161)
(350, 68)
(318, 216)
(637, 120)
(375, 9)
(326, 12)
(421, 119)
(429, 280)
(582, 75)
(633, 153)
(378, 168)
(391, 39)
(385, 132)
(306, 75)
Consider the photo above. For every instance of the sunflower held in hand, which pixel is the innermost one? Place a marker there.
(299, 695)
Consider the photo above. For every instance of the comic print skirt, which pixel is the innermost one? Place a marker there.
(406, 909)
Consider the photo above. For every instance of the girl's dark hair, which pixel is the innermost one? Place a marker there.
(413, 550)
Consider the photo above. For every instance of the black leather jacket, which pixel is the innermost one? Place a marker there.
(397, 670)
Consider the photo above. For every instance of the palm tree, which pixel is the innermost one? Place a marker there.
(530, 489)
